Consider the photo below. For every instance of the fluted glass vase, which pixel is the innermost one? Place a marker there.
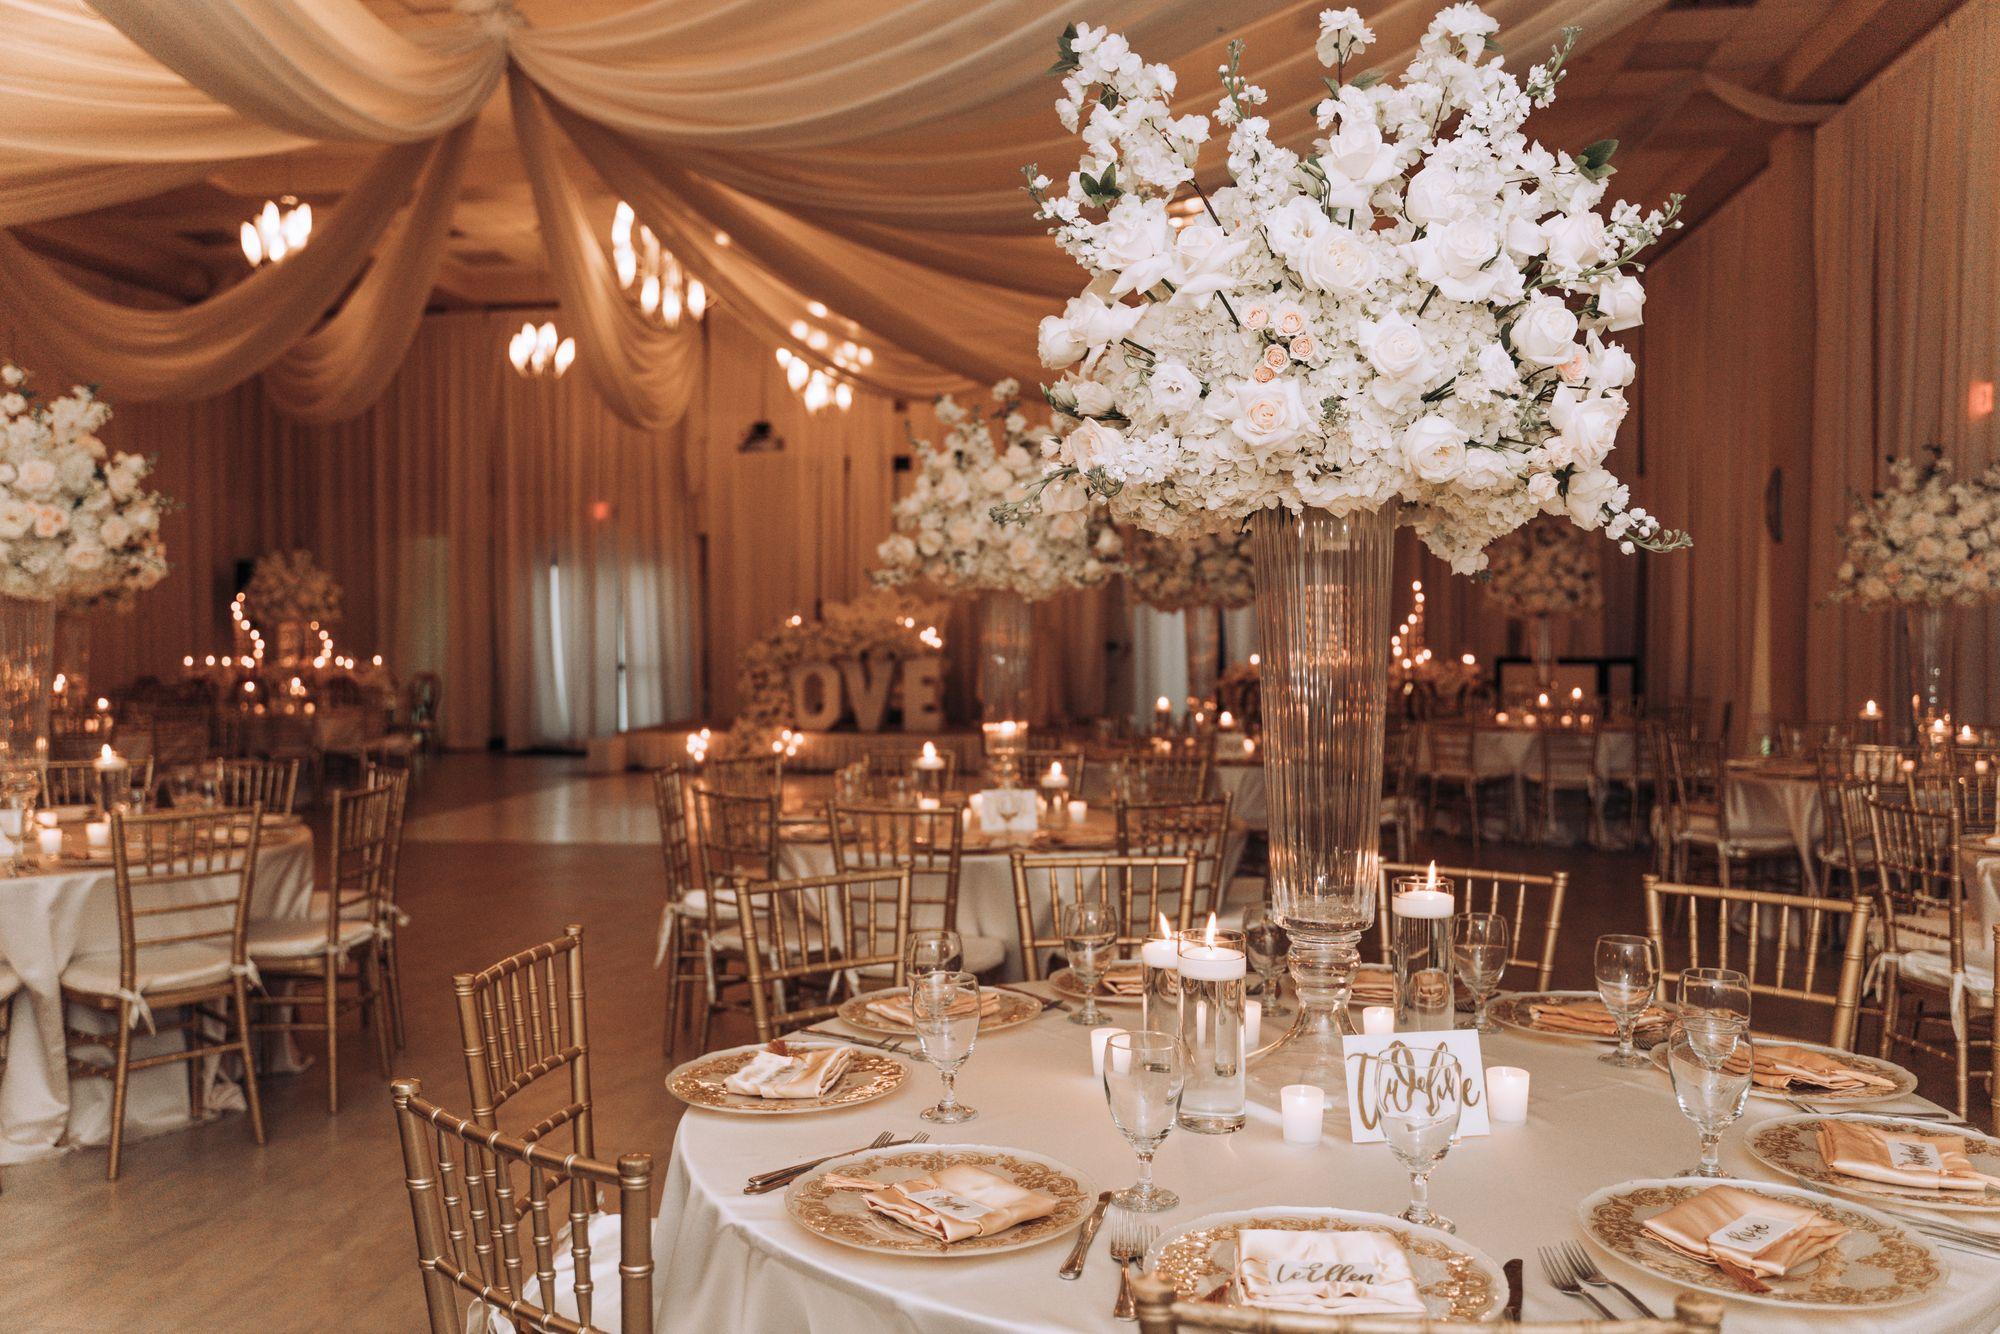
(1927, 630)
(1006, 629)
(1542, 647)
(1323, 627)
(1201, 628)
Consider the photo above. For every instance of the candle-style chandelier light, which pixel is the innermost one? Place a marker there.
(649, 272)
(537, 351)
(821, 384)
(280, 227)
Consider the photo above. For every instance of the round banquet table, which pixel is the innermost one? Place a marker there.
(1778, 797)
(48, 919)
(726, 1260)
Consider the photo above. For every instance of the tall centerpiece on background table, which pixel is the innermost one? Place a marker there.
(293, 597)
(1200, 576)
(1405, 323)
(1922, 545)
(1538, 573)
(947, 540)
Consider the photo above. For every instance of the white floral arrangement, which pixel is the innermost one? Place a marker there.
(947, 537)
(291, 586)
(1414, 312)
(1202, 570)
(1548, 568)
(1924, 539)
(77, 524)
(881, 623)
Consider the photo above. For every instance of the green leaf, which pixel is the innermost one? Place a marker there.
(1367, 79)
(1594, 161)
(1494, 48)
(1066, 60)
(1109, 97)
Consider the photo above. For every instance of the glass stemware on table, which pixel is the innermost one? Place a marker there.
(1090, 938)
(932, 950)
(1144, 1074)
(1718, 993)
(1419, 1096)
(1628, 972)
(1268, 943)
(1480, 942)
(946, 1009)
(1710, 1059)
(20, 784)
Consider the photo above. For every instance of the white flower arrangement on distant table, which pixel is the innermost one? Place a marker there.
(881, 622)
(1924, 539)
(1413, 313)
(1545, 569)
(76, 522)
(1204, 570)
(947, 538)
(290, 586)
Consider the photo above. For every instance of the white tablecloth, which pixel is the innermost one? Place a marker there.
(728, 1261)
(45, 921)
(1243, 781)
(1767, 804)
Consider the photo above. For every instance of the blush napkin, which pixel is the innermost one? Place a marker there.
(895, 1007)
(1900, 1157)
(951, 1204)
(1743, 1233)
(785, 1071)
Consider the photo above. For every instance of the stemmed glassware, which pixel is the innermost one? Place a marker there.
(1628, 971)
(1710, 1060)
(1144, 1074)
(1090, 938)
(946, 1007)
(1718, 993)
(1418, 1096)
(1479, 945)
(1268, 944)
(932, 950)
(20, 784)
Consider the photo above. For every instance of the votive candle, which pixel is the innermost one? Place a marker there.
(1378, 1019)
(1077, 811)
(1253, 1025)
(1506, 1093)
(50, 838)
(1303, 1110)
(1098, 1037)
(98, 832)
(1160, 988)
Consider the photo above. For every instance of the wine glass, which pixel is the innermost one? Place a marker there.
(1144, 1073)
(946, 1007)
(1418, 1096)
(1268, 944)
(1628, 970)
(1710, 1060)
(1479, 945)
(1717, 993)
(1090, 938)
(932, 950)
(20, 784)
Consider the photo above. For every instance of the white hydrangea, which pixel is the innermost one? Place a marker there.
(1205, 570)
(1926, 538)
(1547, 568)
(1413, 313)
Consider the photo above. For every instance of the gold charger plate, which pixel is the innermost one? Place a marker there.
(842, 1216)
(1879, 1263)
(1458, 1281)
(1065, 984)
(1906, 1083)
(1512, 1010)
(1016, 1008)
(699, 1083)
(1788, 1144)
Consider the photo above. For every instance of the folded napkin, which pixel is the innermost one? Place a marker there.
(785, 1071)
(1900, 1157)
(1778, 1066)
(894, 1006)
(1127, 977)
(1747, 1236)
(1373, 986)
(1334, 1273)
(1589, 1017)
(952, 1204)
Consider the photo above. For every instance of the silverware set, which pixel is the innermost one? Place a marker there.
(1072, 1265)
(764, 1182)
(1949, 1118)
(1572, 1272)
(1131, 1237)
(880, 1044)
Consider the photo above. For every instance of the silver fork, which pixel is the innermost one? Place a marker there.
(1950, 1118)
(1556, 1268)
(1131, 1237)
(1587, 1273)
(771, 1181)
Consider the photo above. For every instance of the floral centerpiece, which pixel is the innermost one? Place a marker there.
(1204, 570)
(1544, 569)
(1408, 319)
(288, 586)
(881, 622)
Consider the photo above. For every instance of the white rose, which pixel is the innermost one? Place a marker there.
(1433, 448)
(1433, 195)
(1093, 444)
(1296, 225)
(1611, 367)
(1057, 342)
(1092, 399)
(1175, 387)
(1590, 492)
(1589, 423)
(1356, 150)
(1137, 242)
(1622, 301)
(1542, 488)
(1204, 258)
(85, 556)
(1462, 259)
(1087, 323)
(1486, 468)
(1263, 416)
(16, 517)
(50, 521)
(1340, 262)
(930, 542)
(897, 550)
(1496, 369)
(1395, 347)
(1576, 241)
(1545, 331)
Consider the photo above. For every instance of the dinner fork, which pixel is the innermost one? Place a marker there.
(771, 1181)
(1950, 1118)
(1131, 1237)
(1586, 1271)
(1556, 1268)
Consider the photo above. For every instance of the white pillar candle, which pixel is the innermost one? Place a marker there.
(1098, 1037)
(1377, 1019)
(1506, 1093)
(1253, 1025)
(46, 819)
(50, 840)
(1303, 1108)
(927, 803)
(98, 832)
(1077, 811)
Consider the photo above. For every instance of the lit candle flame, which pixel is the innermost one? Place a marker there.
(1431, 877)
(1166, 928)
(930, 750)
(1210, 935)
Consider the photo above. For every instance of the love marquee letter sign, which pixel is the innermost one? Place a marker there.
(862, 664)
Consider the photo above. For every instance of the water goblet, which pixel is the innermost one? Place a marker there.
(1418, 1096)
(1144, 1073)
(1269, 945)
(20, 784)
(1628, 971)
(946, 1007)
(1090, 938)
(1710, 1061)
(932, 950)
(1717, 993)
(1479, 945)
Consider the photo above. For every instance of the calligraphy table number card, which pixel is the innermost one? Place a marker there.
(1363, 1051)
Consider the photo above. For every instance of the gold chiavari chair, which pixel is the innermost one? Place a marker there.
(736, 840)
(74, 782)
(1978, 775)
(683, 944)
(1846, 847)
(1179, 773)
(10, 983)
(1161, 1311)
(1790, 946)
(1701, 785)
(272, 784)
(1144, 888)
(743, 774)
(1454, 766)
(927, 844)
(1568, 765)
(469, 1216)
(1197, 830)
(815, 931)
(316, 954)
(183, 884)
(1532, 905)
(1400, 808)
(398, 780)
(520, 1021)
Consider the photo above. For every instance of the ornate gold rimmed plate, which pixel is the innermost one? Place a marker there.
(1789, 1144)
(1879, 1263)
(1458, 1281)
(1065, 983)
(1015, 1008)
(1906, 1083)
(1515, 1010)
(843, 1216)
(699, 1083)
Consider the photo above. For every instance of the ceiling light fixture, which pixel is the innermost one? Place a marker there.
(280, 227)
(535, 351)
(649, 272)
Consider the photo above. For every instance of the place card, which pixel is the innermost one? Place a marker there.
(1006, 810)
(1363, 1050)
(1754, 1233)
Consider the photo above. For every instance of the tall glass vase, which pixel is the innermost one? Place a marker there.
(1006, 631)
(1323, 626)
(1202, 630)
(1927, 628)
(1542, 647)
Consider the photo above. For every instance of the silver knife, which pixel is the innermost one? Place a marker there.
(1073, 1267)
(1512, 1269)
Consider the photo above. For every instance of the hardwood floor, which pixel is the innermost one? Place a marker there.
(205, 1230)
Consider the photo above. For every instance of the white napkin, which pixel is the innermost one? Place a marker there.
(1006, 810)
(782, 1071)
(1337, 1273)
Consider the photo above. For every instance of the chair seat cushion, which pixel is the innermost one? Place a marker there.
(1932, 968)
(316, 908)
(301, 937)
(694, 903)
(188, 963)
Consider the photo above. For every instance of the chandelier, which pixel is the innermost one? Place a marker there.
(822, 385)
(535, 351)
(649, 271)
(280, 227)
